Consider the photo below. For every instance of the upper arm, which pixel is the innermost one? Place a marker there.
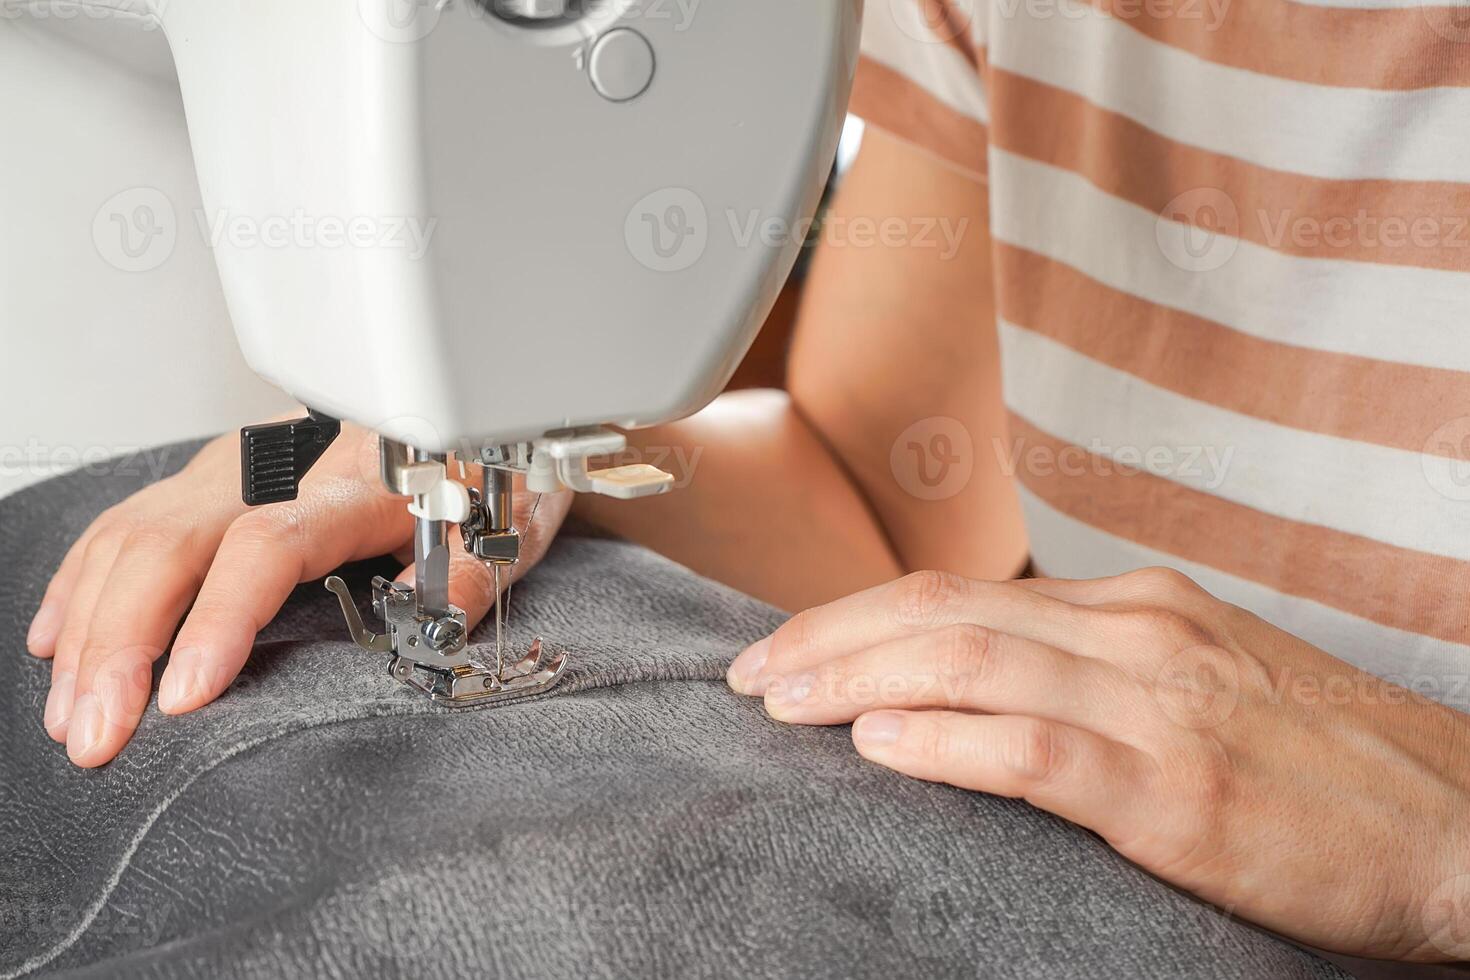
(895, 362)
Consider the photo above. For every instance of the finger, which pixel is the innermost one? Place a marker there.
(150, 585)
(962, 667)
(545, 514)
(1078, 775)
(1142, 618)
(265, 554)
(916, 603)
(51, 614)
(106, 713)
(1082, 592)
(96, 564)
(1156, 586)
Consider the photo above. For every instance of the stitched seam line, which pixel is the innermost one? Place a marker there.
(598, 681)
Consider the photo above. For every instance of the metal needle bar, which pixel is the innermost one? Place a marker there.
(431, 559)
(497, 489)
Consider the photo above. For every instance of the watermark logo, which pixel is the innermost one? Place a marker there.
(1199, 230)
(932, 21)
(400, 21)
(394, 908)
(668, 231)
(1446, 459)
(1198, 687)
(1446, 917)
(143, 15)
(136, 230)
(410, 234)
(1205, 466)
(944, 235)
(934, 458)
(1210, 13)
(927, 915)
(1449, 21)
(948, 21)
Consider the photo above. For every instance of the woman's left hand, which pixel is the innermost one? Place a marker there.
(1232, 759)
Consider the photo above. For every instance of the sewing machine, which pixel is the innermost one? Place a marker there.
(549, 217)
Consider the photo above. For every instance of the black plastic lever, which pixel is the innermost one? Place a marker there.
(274, 456)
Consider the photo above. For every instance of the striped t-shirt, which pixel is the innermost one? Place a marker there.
(1231, 270)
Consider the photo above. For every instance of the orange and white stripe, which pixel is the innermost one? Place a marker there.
(1435, 668)
(1235, 231)
(920, 80)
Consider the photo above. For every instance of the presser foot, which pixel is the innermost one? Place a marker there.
(430, 654)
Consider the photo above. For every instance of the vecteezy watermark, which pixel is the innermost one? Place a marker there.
(930, 913)
(1204, 466)
(1211, 12)
(1450, 21)
(668, 230)
(408, 21)
(933, 459)
(141, 15)
(400, 21)
(1445, 459)
(678, 14)
(933, 21)
(1363, 229)
(300, 229)
(1198, 687)
(38, 459)
(394, 908)
(1349, 686)
(1199, 230)
(947, 21)
(136, 230)
(1446, 917)
(45, 919)
(943, 234)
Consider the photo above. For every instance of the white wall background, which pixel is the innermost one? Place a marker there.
(96, 359)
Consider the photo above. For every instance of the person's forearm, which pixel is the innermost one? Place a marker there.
(761, 504)
(896, 362)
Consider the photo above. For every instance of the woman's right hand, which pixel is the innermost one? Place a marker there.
(187, 549)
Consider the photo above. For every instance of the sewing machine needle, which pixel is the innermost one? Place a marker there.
(525, 536)
(499, 627)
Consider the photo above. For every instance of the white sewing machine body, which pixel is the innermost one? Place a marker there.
(431, 221)
(487, 228)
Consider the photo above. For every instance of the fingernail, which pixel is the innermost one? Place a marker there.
(86, 730)
(43, 627)
(123, 694)
(878, 728)
(181, 681)
(58, 704)
(791, 693)
(747, 667)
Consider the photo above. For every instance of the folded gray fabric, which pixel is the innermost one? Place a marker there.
(641, 821)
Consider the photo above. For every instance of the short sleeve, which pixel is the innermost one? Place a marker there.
(921, 77)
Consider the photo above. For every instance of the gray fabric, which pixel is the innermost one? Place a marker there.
(643, 821)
